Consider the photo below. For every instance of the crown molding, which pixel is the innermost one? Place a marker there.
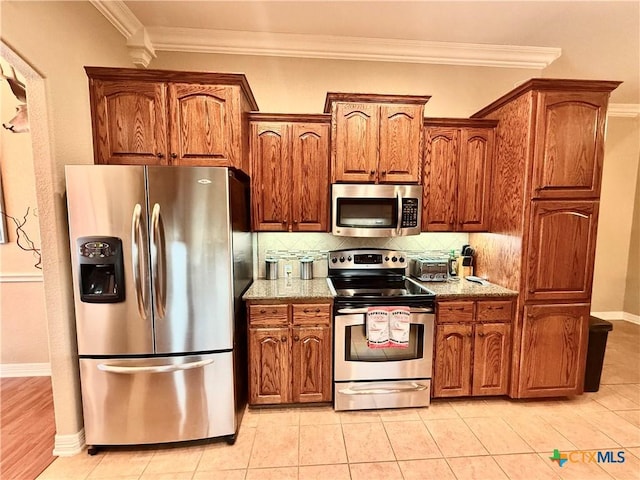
(350, 48)
(119, 15)
(628, 110)
(314, 46)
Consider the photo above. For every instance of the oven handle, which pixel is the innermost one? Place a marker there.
(364, 310)
(381, 389)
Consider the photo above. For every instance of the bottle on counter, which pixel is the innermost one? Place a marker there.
(453, 263)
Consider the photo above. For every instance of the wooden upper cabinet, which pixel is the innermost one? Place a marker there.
(553, 352)
(376, 138)
(129, 122)
(290, 172)
(569, 144)
(270, 179)
(202, 127)
(310, 176)
(439, 186)
(562, 241)
(400, 142)
(162, 117)
(355, 142)
(457, 175)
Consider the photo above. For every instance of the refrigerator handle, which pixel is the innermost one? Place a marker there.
(136, 241)
(154, 368)
(159, 262)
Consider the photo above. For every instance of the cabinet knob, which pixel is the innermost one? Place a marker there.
(317, 310)
(263, 311)
(481, 334)
(384, 172)
(284, 338)
(371, 172)
(160, 155)
(274, 311)
(468, 334)
(174, 155)
(284, 222)
(296, 338)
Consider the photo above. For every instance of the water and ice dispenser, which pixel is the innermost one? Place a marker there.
(101, 269)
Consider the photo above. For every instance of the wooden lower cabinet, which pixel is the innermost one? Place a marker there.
(290, 353)
(553, 350)
(472, 348)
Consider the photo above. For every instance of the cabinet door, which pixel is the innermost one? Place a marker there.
(310, 177)
(553, 350)
(569, 145)
(474, 174)
(202, 125)
(355, 142)
(452, 368)
(270, 174)
(439, 193)
(400, 143)
(269, 366)
(311, 364)
(562, 240)
(491, 350)
(130, 122)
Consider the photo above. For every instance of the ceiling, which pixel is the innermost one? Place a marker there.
(581, 39)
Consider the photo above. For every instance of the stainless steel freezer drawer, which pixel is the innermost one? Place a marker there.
(155, 400)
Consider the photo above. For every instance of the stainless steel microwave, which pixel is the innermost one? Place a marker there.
(365, 210)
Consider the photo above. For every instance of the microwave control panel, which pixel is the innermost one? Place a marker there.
(409, 213)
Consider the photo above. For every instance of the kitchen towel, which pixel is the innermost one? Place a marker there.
(399, 326)
(377, 327)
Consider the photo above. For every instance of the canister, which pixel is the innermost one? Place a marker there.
(271, 268)
(306, 268)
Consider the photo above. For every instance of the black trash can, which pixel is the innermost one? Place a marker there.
(598, 331)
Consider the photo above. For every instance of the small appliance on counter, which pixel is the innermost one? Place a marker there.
(430, 268)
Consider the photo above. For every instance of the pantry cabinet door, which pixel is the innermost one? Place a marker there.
(553, 350)
(569, 146)
(310, 177)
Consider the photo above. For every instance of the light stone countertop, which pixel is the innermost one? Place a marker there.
(296, 289)
(293, 288)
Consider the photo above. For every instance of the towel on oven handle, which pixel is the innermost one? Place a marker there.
(399, 326)
(377, 327)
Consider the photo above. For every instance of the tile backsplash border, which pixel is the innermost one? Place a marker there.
(304, 242)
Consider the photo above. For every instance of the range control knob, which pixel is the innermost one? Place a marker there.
(334, 260)
(394, 259)
(349, 258)
(401, 259)
(386, 259)
(341, 259)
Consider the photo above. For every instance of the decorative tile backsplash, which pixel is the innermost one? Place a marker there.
(297, 244)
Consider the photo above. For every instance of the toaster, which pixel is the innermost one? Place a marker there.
(430, 269)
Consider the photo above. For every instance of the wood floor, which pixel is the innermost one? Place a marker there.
(27, 425)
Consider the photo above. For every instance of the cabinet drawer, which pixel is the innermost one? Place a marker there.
(455, 312)
(312, 313)
(494, 310)
(268, 315)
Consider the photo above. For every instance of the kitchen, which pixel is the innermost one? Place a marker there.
(454, 108)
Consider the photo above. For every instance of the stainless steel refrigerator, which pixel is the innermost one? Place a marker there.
(161, 257)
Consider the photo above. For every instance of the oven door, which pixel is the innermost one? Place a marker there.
(355, 361)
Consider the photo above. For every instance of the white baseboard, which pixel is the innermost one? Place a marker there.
(69, 445)
(25, 370)
(629, 317)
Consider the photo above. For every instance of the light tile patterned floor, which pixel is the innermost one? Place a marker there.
(488, 439)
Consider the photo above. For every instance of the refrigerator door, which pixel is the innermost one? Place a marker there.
(109, 201)
(156, 400)
(190, 243)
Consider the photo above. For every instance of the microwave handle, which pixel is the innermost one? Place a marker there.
(399, 224)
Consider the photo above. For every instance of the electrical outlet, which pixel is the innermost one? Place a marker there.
(288, 270)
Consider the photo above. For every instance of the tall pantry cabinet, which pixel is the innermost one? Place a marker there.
(545, 195)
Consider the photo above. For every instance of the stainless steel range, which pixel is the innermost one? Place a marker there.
(369, 374)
